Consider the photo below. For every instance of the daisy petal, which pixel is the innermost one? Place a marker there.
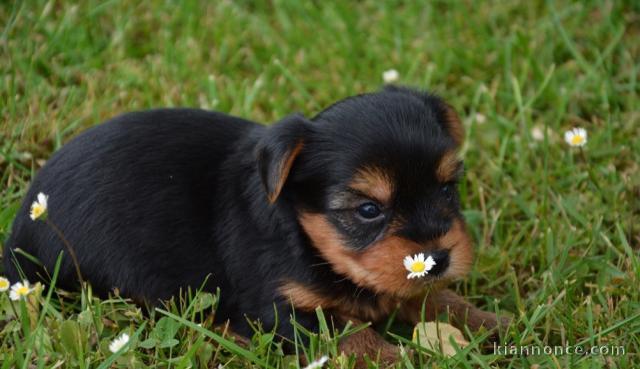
(568, 135)
(407, 262)
(430, 262)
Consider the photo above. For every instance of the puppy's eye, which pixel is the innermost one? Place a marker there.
(447, 191)
(369, 210)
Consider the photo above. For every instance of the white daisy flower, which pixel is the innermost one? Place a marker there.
(481, 118)
(318, 363)
(418, 266)
(576, 136)
(537, 133)
(4, 284)
(390, 76)
(20, 290)
(39, 207)
(119, 343)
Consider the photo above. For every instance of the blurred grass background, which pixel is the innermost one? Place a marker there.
(556, 228)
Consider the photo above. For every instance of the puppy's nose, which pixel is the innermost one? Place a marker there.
(441, 257)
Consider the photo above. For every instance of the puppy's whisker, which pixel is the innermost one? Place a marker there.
(319, 264)
(341, 280)
(360, 292)
(356, 292)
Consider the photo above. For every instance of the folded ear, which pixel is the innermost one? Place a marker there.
(277, 150)
(453, 124)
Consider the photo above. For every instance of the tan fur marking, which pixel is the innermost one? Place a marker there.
(448, 166)
(456, 130)
(374, 183)
(458, 242)
(379, 267)
(305, 299)
(283, 171)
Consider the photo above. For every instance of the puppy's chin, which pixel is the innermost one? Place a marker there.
(379, 267)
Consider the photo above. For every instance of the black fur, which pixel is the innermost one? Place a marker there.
(156, 201)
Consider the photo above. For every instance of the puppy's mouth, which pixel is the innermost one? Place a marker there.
(437, 273)
(441, 257)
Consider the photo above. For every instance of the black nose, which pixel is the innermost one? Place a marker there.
(441, 257)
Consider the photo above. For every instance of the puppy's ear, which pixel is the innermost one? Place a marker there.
(277, 150)
(453, 123)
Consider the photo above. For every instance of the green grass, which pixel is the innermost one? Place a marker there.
(556, 228)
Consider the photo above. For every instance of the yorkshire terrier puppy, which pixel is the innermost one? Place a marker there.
(301, 214)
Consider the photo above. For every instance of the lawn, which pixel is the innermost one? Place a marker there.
(556, 227)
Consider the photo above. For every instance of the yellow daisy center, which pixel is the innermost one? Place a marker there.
(4, 284)
(577, 140)
(37, 210)
(22, 291)
(418, 267)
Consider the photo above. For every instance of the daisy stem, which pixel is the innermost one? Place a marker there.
(69, 249)
(15, 312)
(74, 258)
(592, 175)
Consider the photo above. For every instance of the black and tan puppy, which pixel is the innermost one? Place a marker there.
(304, 213)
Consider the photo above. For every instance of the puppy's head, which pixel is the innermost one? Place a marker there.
(373, 180)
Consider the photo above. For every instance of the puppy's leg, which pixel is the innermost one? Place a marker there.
(368, 342)
(365, 342)
(461, 312)
(227, 332)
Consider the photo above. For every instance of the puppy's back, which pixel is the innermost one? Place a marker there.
(133, 196)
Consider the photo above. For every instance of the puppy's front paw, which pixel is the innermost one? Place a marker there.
(389, 354)
(369, 343)
(505, 322)
(478, 319)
